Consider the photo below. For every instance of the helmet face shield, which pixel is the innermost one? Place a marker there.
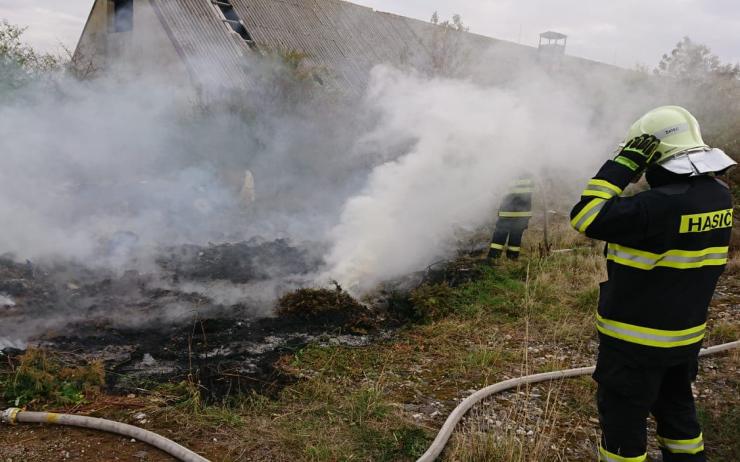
(698, 162)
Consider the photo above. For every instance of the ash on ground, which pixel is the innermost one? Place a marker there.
(204, 314)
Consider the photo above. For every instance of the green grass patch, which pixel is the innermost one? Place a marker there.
(390, 445)
(364, 405)
(587, 300)
(41, 378)
(721, 429)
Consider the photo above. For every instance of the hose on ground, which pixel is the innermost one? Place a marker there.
(15, 415)
(457, 414)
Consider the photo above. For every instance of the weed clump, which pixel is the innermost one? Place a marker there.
(317, 303)
(432, 301)
(43, 378)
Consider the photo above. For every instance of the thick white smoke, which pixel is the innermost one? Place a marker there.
(468, 141)
(106, 171)
(109, 172)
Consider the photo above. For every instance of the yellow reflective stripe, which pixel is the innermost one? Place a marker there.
(521, 190)
(587, 215)
(692, 446)
(514, 214)
(602, 189)
(606, 456)
(605, 184)
(677, 259)
(515, 249)
(594, 193)
(523, 183)
(627, 163)
(497, 246)
(648, 336)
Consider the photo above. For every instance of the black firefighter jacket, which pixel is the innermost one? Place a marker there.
(666, 249)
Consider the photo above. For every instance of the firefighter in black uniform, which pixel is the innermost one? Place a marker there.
(666, 248)
(513, 220)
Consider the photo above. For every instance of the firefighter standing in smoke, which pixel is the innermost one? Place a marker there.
(513, 220)
(666, 249)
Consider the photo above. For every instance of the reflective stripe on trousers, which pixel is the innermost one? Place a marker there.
(678, 259)
(692, 446)
(648, 336)
(606, 456)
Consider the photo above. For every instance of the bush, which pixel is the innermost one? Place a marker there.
(19, 63)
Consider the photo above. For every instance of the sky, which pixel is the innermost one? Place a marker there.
(624, 32)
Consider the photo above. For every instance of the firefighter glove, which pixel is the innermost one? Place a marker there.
(639, 153)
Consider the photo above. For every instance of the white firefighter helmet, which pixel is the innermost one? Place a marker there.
(682, 149)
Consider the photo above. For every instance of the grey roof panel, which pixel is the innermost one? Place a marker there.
(342, 37)
(345, 39)
(211, 51)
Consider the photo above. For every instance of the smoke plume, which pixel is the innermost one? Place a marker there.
(111, 173)
(467, 142)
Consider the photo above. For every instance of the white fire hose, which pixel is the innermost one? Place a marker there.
(14, 416)
(445, 433)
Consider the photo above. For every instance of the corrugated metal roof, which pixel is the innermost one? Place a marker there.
(345, 39)
(212, 52)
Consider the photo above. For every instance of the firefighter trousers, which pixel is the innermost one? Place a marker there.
(629, 392)
(507, 235)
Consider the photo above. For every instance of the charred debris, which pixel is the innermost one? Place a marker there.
(167, 326)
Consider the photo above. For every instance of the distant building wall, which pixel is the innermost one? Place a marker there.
(145, 49)
(90, 55)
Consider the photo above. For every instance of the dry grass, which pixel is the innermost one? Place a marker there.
(733, 265)
(519, 426)
(385, 402)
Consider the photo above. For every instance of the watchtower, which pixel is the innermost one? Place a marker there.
(553, 43)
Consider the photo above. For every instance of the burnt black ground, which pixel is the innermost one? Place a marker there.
(153, 328)
(172, 325)
(223, 356)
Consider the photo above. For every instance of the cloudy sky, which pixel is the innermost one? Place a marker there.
(623, 32)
